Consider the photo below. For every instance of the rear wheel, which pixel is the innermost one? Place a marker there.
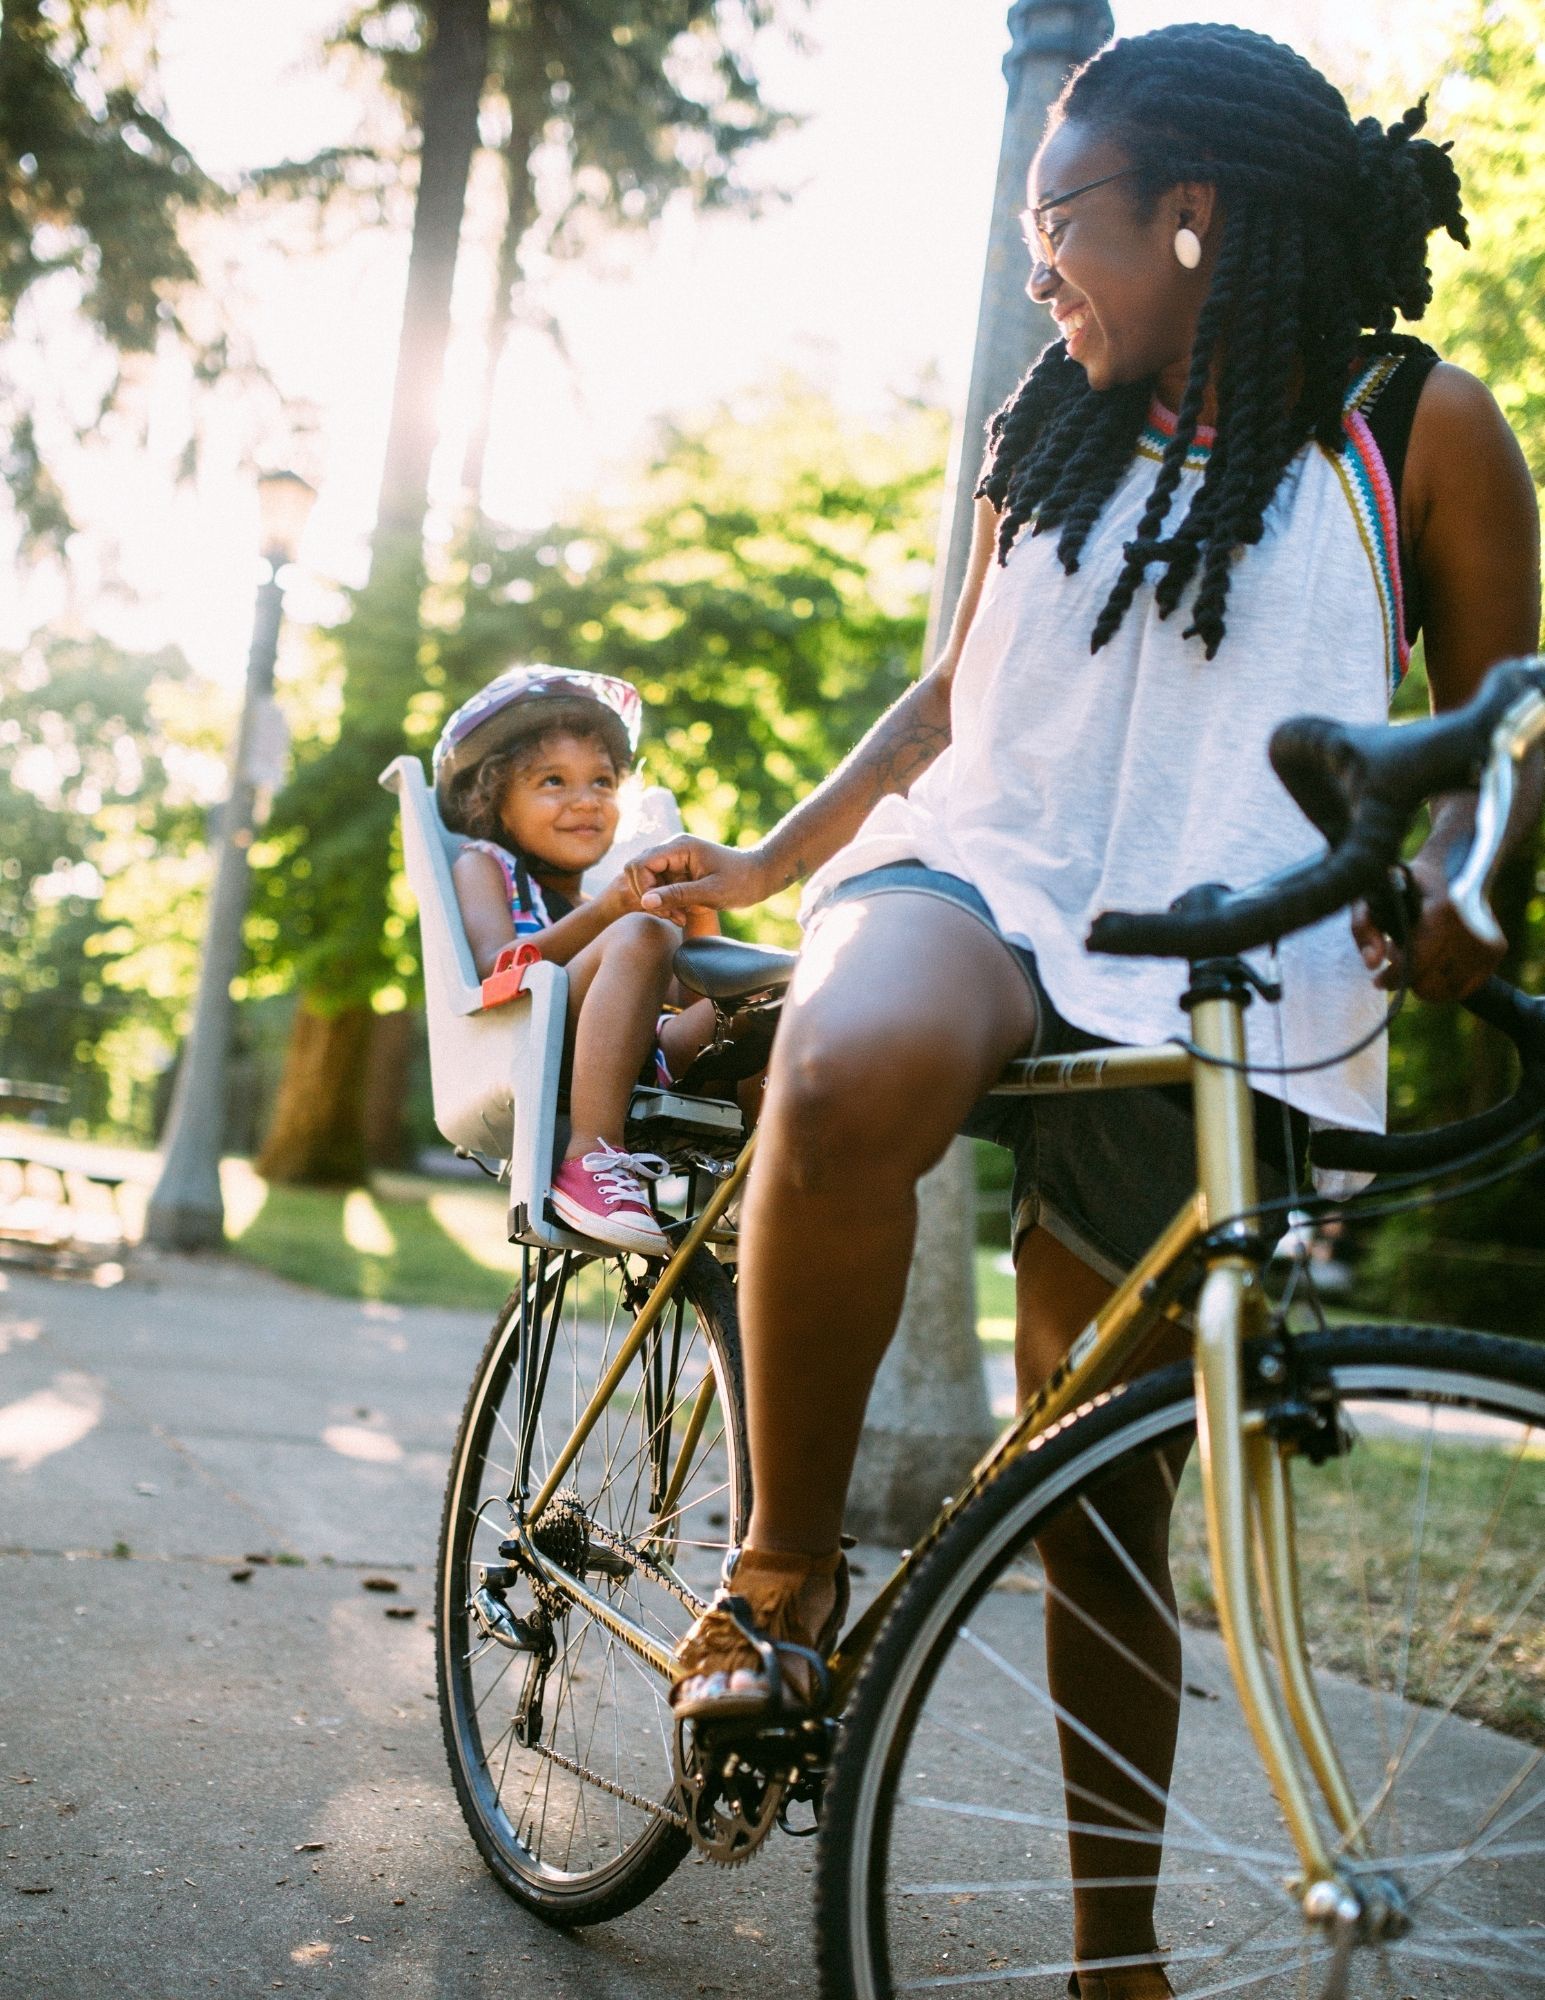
(945, 1848)
(558, 1732)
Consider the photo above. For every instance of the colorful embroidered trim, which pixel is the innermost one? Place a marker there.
(1365, 481)
(1160, 428)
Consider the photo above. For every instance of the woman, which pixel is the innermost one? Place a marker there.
(1227, 494)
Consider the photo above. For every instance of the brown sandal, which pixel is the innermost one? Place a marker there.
(730, 1639)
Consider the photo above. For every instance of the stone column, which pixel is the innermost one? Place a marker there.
(928, 1418)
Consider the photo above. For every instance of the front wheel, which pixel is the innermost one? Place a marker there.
(974, 1790)
(558, 1732)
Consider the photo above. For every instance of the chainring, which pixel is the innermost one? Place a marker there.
(736, 1781)
(729, 1804)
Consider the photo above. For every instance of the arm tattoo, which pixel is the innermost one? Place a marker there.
(900, 748)
(891, 757)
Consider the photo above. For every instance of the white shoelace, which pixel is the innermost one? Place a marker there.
(620, 1175)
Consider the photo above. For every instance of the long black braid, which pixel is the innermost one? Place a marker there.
(1325, 227)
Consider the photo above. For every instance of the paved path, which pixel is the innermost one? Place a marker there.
(220, 1770)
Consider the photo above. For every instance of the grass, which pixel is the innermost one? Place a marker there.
(1450, 1622)
(407, 1240)
(411, 1240)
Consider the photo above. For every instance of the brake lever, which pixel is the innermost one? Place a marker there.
(1515, 735)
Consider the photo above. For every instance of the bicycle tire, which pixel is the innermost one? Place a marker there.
(1418, 1400)
(628, 1837)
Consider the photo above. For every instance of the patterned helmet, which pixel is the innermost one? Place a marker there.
(524, 700)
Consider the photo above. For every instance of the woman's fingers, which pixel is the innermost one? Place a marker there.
(691, 874)
(1440, 960)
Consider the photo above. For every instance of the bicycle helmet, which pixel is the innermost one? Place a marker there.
(526, 699)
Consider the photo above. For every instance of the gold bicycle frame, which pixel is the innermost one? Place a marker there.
(1247, 1494)
(1245, 1486)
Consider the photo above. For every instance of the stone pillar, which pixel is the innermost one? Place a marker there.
(928, 1418)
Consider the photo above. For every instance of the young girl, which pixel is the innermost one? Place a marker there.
(1227, 493)
(531, 768)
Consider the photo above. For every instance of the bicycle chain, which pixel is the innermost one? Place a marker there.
(620, 1546)
(610, 1785)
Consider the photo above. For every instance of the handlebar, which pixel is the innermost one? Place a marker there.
(1362, 787)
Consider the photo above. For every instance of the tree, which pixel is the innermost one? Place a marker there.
(107, 762)
(642, 99)
(94, 193)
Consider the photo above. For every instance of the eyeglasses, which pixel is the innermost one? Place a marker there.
(1037, 237)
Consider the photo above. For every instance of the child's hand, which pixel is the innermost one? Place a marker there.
(620, 899)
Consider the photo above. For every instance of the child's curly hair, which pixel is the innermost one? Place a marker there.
(477, 793)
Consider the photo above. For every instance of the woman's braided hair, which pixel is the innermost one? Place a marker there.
(1324, 239)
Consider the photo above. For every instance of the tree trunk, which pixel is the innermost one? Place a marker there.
(456, 70)
(519, 214)
(388, 1069)
(318, 1134)
(317, 1137)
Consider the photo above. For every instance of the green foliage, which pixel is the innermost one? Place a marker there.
(93, 185)
(1478, 1260)
(104, 760)
(631, 101)
(764, 584)
(1485, 314)
(320, 898)
(765, 587)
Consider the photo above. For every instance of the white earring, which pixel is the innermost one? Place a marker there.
(1188, 248)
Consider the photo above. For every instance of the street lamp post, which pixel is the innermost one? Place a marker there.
(928, 1418)
(186, 1211)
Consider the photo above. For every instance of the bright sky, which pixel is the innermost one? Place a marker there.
(867, 279)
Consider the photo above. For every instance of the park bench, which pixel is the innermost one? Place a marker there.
(55, 1214)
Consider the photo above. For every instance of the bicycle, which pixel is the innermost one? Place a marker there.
(1361, 1525)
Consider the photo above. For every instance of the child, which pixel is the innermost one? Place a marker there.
(530, 769)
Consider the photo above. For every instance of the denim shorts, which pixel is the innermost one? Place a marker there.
(1102, 1171)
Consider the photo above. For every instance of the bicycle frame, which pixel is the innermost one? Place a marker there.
(1245, 1487)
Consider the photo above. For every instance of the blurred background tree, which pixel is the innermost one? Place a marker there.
(108, 764)
(95, 193)
(603, 113)
(1473, 1260)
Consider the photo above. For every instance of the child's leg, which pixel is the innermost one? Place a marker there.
(684, 1036)
(616, 985)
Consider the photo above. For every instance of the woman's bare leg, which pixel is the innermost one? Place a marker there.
(616, 986)
(904, 1009)
(1095, 1608)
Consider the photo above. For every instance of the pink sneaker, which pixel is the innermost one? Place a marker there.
(601, 1195)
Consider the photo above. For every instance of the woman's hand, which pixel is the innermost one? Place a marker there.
(1441, 961)
(691, 874)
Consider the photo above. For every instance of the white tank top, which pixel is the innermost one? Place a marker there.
(1078, 782)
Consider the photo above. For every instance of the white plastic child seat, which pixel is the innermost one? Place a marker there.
(494, 1072)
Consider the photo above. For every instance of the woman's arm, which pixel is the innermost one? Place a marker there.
(1470, 520)
(687, 873)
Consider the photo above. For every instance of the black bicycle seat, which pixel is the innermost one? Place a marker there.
(722, 968)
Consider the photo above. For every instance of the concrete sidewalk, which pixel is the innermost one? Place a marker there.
(220, 1758)
(212, 1786)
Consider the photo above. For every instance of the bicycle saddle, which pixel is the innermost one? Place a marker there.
(723, 968)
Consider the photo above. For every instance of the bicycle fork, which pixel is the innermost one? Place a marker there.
(1248, 1501)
